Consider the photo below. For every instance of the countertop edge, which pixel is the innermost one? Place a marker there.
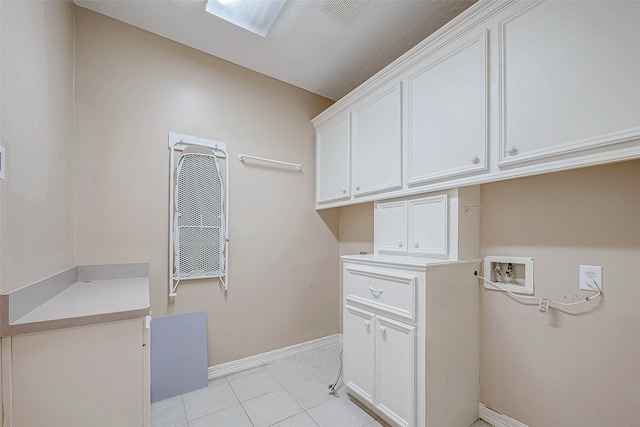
(70, 322)
(405, 261)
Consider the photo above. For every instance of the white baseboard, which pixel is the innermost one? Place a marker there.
(264, 358)
(496, 419)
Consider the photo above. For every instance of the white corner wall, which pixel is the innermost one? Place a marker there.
(36, 125)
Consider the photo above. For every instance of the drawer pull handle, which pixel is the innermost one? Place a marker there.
(367, 323)
(383, 330)
(376, 292)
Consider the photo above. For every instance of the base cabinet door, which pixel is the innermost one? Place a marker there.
(359, 352)
(395, 370)
(380, 363)
(82, 376)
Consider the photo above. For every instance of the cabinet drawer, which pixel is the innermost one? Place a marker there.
(388, 291)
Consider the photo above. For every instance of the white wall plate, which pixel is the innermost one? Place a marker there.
(512, 273)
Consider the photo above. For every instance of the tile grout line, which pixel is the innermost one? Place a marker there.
(239, 401)
(184, 409)
(299, 404)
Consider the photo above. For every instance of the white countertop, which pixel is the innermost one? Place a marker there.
(90, 298)
(85, 302)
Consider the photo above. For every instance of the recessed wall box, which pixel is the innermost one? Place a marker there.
(514, 274)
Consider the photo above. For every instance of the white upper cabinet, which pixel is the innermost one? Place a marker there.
(377, 142)
(390, 228)
(333, 160)
(446, 114)
(569, 78)
(428, 229)
(416, 227)
(505, 90)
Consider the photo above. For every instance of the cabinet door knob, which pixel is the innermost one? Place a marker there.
(344, 191)
(474, 159)
(400, 243)
(383, 329)
(511, 150)
(416, 244)
(367, 323)
(357, 188)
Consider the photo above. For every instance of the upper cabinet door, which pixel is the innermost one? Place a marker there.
(333, 161)
(390, 228)
(568, 78)
(446, 119)
(428, 226)
(377, 142)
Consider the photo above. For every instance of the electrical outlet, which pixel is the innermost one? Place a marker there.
(591, 278)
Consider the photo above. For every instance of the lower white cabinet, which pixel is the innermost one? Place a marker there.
(380, 359)
(411, 338)
(95, 375)
(359, 351)
(395, 370)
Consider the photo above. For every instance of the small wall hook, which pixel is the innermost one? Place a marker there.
(467, 208)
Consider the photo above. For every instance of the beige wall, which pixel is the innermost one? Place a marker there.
(576, 366)
(355, 234)
(36, 198)
(132, 88)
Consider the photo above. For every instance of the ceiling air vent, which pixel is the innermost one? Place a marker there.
(346, 10)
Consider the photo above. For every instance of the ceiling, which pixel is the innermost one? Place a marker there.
(307, 46)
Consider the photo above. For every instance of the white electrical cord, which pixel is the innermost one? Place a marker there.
(333, 386)
(502, 288)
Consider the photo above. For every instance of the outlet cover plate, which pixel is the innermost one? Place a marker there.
(591, 278)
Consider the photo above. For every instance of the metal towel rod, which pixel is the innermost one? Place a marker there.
(243, 157)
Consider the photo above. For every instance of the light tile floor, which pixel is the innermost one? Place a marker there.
(289, 392)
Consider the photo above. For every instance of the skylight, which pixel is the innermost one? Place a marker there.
(256, 16)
